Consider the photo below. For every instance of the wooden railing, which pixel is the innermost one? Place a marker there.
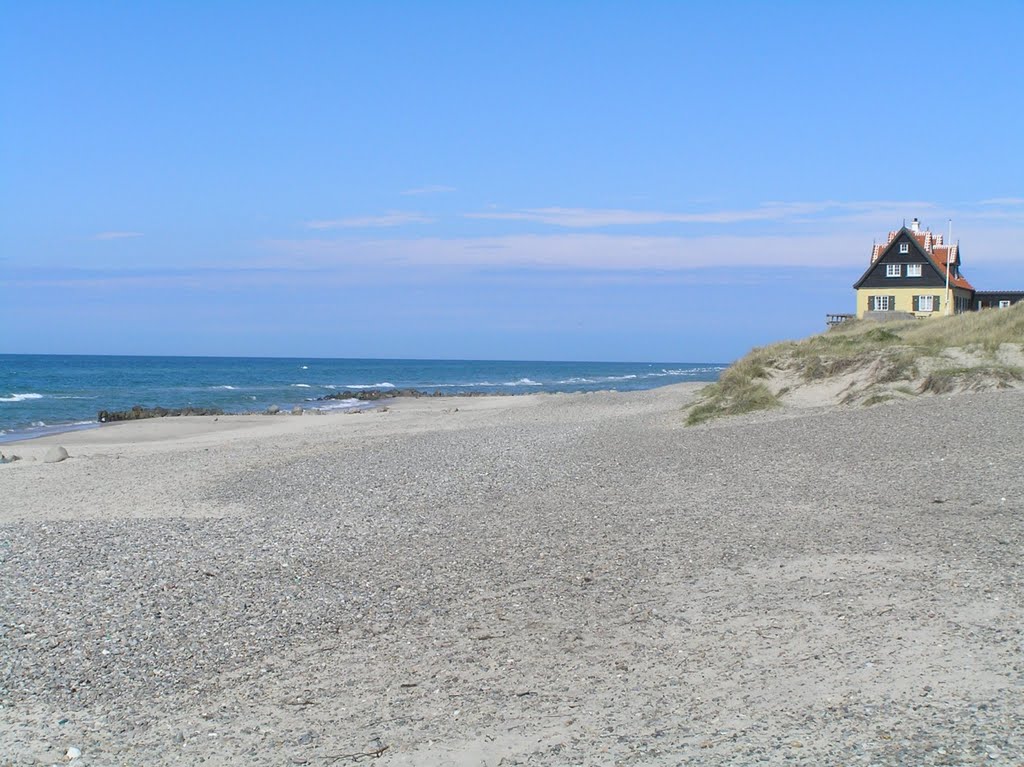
(837, 319)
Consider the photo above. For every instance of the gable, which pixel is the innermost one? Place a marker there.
(875, 276)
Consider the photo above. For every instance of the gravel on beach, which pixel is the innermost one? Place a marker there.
(552, 580)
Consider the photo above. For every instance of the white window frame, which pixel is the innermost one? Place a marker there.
(914, 270)
(904, 247)
(1004, 304)
(894, 270)
(926, 303)
(887, 300)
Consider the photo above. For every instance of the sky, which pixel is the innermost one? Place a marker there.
(642, 181)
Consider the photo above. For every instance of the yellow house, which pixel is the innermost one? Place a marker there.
(914, 273)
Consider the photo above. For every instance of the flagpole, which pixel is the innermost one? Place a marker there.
(949, 252)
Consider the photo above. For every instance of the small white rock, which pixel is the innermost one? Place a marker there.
(73, 753)
(55, 454)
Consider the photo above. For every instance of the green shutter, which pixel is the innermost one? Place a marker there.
(871, 303)
(917, 303)
(892, 303)
(935, 303)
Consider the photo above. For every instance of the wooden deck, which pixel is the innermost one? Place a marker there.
(837, 319)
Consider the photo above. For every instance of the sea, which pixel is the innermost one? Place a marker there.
(45, 394)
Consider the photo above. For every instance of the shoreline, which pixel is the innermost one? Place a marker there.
(23, 435)
(173, 431)
(555, 579)
(49, 390)
(365, 400)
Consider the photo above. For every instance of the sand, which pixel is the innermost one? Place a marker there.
(550, 580)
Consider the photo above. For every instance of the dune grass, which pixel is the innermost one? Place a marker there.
(946, 380)
(738, 390)
(987, 329)
(893, 352)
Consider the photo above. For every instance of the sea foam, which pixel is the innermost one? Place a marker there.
(342, 404)
(21, 397)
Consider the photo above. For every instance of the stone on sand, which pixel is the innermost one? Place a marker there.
(55, 454)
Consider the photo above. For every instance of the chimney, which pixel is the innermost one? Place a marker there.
(915, 226)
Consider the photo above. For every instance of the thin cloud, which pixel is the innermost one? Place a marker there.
(579, 251)
(200, 279)
(735, 257)
(391, 219)
(843, 242)
(1003, 201)
(588, 218)
(115, 235)
(429, 189)
(592, 218)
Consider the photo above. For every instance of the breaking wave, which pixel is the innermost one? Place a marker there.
(21, 397)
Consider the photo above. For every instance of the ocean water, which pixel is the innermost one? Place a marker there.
(41, 394)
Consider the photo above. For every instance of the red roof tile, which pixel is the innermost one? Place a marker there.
(955, 279)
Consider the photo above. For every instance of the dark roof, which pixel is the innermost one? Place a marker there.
(920, 240)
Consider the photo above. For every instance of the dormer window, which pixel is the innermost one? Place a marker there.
(904, 247)
(913, 270)
(893, 270)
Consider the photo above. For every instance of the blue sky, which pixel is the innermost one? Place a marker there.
(609, 181)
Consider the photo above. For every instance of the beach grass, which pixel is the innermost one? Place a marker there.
(945, 380)
(739, 390)
(908, 357)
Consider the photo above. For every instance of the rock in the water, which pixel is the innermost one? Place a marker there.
(55, 454)
(273, 410)
(297, 410)
(371, 395)
(138, 412)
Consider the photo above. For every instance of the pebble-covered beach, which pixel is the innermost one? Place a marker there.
(544, 580)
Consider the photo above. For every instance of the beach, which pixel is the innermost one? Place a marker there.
(547, 579)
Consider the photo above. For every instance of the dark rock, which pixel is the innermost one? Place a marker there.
(138, 413)
(372, 395)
